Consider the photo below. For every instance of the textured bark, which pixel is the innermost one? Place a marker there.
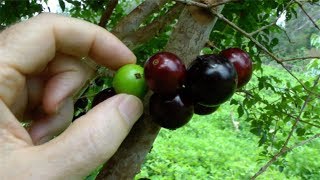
(132, 22)
(192, 31)
(146, 33)
(107, 13)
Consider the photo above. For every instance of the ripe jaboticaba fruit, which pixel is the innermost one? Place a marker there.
(170, 112)
(130, 79)
(211, 80)
(165, 73)
(204, 110)
(242, 62)
(103, 95)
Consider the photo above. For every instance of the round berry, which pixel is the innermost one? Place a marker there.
(165, 73)
(242, 63)
(170, 112)
(129, 79)
(211, 80)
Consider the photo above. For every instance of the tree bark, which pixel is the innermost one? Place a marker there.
(192, 30)
(188, 38)
(146, 33)
(132, 22)
(107, 13)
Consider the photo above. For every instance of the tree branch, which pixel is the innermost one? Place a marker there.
(283, 151)
(107, 13)
(197, 33)
(257, 43)
(132, 21)
(271, 24)
(293, 128)
(287, 35)
(199, 4)
(305, 12)
(301, 58)
(144, 34)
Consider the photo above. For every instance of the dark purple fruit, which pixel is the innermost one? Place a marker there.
(103, 95)
(242, 62)
(170, 112)
(211, 80)
(81, 103)
(165, 73)
(204, 110)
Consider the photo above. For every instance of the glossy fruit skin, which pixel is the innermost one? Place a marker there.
(204, 110)
(211, 80)
(170, 112)
(242, 63)
(103, 95)
(165, 73)
(129, 79)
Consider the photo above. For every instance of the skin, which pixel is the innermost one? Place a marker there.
(40, 70)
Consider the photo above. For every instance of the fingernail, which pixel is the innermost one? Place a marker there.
(131, 109)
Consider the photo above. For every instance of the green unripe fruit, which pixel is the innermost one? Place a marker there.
(129, 79)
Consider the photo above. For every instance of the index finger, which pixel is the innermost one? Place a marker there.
(30, 45)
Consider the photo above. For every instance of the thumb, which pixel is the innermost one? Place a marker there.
(93, 138)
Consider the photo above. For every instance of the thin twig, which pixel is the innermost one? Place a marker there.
(301, 58)
(157, 26)
(203, 5)
(284, 147)
(133, 20)
(107, 13)
(287, 35)
(264, 27)
(273, 23)
(305, 12)
(257, 43)
(283, 151)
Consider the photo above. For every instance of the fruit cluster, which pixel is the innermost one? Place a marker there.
(180, 92)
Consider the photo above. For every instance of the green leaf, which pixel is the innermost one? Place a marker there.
(62, 5)
(240, 111)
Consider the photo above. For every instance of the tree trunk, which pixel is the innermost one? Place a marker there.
(188, 38)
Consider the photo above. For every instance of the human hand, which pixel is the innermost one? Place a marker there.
(40, 70)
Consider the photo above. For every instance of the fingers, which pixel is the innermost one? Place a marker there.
(30, 45)
(42, 130)
(11, 131)
(94, 137)
(66, 75)
(26, 48)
